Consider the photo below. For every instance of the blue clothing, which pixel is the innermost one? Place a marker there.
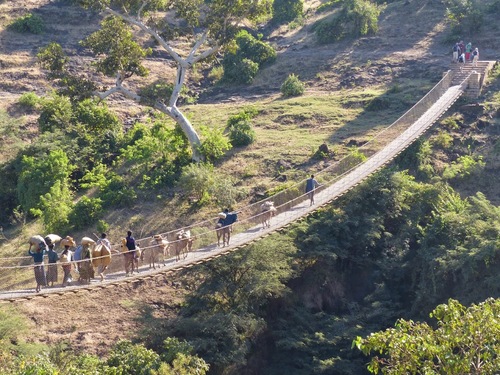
(130, 243)
(311, 184)
(52, 256)
(230, 219)
(38, 256)
(78, 253)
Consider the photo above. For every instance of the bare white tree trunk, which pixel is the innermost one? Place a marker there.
(182, 66)
(187, 128)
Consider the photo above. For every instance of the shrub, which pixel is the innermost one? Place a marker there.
(102, 226)
(241, 133)
(56, 206)
(38, 175)
(238, 70)
(116, 193)
(156, 91)
(356, 18)
(363, 17)
(443, 140)
(52, 58)
(287, 10)
(452, 122)
(29, 23)
(216, 73)
(85, 212)
(133, 359)
(56, 113)
(465, 166)
(96, 117)
(254, 49)
(244, 58)
(465, 16)
(378, 104)
(214, 143)
(197, 180)
(29, 100)
(292, 86)
(225, 192)
(329, 31)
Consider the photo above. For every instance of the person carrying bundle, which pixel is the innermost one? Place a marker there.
(38, 254)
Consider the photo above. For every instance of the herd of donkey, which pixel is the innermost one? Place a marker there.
(98, 254)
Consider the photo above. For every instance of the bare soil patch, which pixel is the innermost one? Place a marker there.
(93, 321)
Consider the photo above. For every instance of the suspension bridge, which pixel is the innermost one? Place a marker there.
(16, 273)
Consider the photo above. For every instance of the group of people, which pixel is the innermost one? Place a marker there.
(78, 259)
(463, 53)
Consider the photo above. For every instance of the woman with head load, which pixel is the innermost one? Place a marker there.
(40, 250)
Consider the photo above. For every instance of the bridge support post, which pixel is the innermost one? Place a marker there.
(474, 85)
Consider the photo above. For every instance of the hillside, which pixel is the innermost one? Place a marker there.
(402, 61)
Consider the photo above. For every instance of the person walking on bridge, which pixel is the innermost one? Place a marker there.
(39, 269)
(311, 186)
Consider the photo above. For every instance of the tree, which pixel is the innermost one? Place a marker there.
(464, 342)
(208, 24)
(39, 175)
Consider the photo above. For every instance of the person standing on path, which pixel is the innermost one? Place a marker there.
(311, 186)
(39, 269)
(456, 51)
(468, 50)
(104, 240)
(462, 47)
(66, 265)
(52, 267)
(130, 243)
(475, 56)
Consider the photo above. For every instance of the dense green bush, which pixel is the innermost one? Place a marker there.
(52, 58)
(254, 49)
(226, 192)
(156, 91)
(29, 23)
(243, 59)
(56, 113)
(116, 193)
(214, 144)
(130, 359)
(29, 100)
(463, 167)
(205, 185)
(56, 206)
(241, 133)
(39, 174)
(238, 70)
(462, 338)
(329, 31)
(356, 18)
(197, 180)
(465, 16)
(292, 86)
(86, 212)
(287, 10)
(159, 151)
(95, 116)
(380, 103)
(240, 129)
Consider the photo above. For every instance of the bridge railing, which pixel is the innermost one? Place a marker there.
(17, 272)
